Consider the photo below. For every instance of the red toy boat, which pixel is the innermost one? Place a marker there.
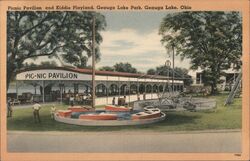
(116, 108)
(100, 116)
(79, 109)
(64, 113)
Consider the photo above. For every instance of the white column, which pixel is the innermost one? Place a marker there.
(61, 91)
(138, 86)
(200, 78)
(107, 90)
(129, 92)
(16, 89)
(43, 92)
(152, 87)
(119, 92)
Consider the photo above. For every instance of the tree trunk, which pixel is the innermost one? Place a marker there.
(214, 89)
(216, 76)
(11, 70)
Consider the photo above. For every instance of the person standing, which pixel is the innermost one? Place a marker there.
(144, 96)
(138, 96)
(52, 112)
(36, 109)
(124, 101)
(9, 107)
(71, 100)
(113, 101)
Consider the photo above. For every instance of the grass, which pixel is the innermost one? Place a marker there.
(222, 117)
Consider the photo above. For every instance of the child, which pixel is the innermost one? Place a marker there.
(52, 112)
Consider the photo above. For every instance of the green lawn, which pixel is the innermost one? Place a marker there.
(222, 118)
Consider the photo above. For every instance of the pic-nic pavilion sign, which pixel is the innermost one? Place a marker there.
(51, 75)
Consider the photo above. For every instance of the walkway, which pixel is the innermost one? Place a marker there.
(132, 142)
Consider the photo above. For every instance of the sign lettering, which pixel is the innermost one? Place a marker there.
(51, 75)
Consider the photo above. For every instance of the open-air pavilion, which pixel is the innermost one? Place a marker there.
(59, 83)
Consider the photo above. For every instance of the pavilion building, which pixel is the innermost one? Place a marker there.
(50, 84)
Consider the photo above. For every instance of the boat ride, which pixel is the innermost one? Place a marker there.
(115, 116)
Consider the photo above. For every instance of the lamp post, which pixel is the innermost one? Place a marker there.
(93, 62)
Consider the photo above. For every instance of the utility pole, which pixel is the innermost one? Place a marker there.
(173, 70)
(93, 62)
(168, 65)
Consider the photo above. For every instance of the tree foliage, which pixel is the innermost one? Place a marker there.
(106, 68)
(42, 64)
(53, 34)
(124, 67)
(211, 40)
(179, 73)
(151, 71)
(120, 67)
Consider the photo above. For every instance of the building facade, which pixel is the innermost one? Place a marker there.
(59, 83)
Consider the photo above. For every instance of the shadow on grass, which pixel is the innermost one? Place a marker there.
(173, 119)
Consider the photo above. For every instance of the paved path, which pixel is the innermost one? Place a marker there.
(132, 142)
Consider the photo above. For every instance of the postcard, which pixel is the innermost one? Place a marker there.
(124, 80)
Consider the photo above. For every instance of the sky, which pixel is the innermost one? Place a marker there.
(133, 37)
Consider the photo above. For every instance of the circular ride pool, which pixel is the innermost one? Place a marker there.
(111, 116)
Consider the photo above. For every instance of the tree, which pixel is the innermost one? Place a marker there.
(54, 34)
(151, 72)
(180, 73)
(124, 67)
(106, 68)
(120, 67)
(183, 74)
(212, 40)
(42, 64)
